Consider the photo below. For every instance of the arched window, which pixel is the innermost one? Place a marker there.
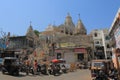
(95, 34)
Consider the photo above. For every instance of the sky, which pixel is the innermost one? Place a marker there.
(16, 15)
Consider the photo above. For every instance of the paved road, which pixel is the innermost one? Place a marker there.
(77, 75)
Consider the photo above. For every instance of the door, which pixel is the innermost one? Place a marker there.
(80, 57)
(59, 56)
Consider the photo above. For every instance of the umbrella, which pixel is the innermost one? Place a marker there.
(61, 60)
(55, 60)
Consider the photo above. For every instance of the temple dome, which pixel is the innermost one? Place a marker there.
(50, 28)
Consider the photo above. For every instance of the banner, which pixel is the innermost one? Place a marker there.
(67, 44)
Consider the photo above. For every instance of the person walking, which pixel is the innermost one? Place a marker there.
(63, 68)
(50, 69)
(35, 66)
(27, 63)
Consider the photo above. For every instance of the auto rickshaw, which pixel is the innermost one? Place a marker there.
(10, 65)
(101, 64)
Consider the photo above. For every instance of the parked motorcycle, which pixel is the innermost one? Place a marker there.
(113, 75)
(31, 70)
(27, 70)
(101, 76)
(63, 68)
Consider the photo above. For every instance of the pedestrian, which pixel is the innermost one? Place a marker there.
(54, 68)
(63, 68)
(39, 69)
(35, 65)
(58, 69)
(50, 69)
(27, 63)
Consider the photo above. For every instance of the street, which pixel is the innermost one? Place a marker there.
(76, 75)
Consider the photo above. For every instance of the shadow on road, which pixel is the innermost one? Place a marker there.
(20, 75)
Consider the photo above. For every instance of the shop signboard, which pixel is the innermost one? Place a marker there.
(67, 44)
(81, 50)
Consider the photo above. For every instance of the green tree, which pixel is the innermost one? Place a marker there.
(36, 32)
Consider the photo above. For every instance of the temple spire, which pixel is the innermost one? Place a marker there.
(30, 23)
(80, 28)
(53, 23)
(68, 14)
(79, 16)
(30, 29)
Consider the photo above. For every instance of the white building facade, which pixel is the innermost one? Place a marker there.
(102, 40)
(114, 31)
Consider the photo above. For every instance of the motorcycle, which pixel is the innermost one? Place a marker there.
(31, 70)
(27, 70)
(101, 76)
(113, 75)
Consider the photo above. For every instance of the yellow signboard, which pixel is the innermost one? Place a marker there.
(67, 44)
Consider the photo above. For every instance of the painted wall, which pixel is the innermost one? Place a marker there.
(117, 37)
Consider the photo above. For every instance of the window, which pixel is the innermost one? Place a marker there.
(62, 31)
(95, 34)
(66, 32)
(70, 33)
(97, 42)
(107, 38)
(108, 46)
(97, 64)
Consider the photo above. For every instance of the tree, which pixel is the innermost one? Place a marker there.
(3, 39)
(36, 32)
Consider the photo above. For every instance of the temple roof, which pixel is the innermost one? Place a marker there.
(30, 32)
(50, 28)
(80, 28)
(68, 21)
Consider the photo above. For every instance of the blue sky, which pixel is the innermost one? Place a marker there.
(15, 15)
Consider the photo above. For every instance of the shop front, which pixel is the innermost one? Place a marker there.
(66, 53)
(72, 55)
(81, 54)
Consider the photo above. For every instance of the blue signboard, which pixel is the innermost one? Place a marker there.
(3, 46)
(2, 43)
